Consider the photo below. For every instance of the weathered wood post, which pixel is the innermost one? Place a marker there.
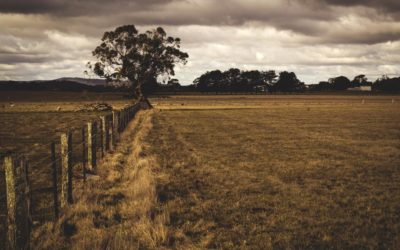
(84, 162)
(55, 180)
(105, 135)
(18, 204)
(9, 167)
(125, 118)
(122, 121)
(101, 138)
(91, 145)
(115, 121)
(66, 169)
(110, 126)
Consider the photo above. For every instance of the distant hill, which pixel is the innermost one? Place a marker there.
(91, 82)
(61, 84)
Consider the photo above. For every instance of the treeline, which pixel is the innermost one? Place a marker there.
(384, 84)
(236, 80)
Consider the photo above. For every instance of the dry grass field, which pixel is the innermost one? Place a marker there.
(30, 121)
(280, 172)
(241, 172)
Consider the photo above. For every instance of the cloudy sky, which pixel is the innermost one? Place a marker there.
(317, 39)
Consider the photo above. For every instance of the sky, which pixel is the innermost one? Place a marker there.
(317, 39)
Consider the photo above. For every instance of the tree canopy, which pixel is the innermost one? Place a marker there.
(288, 82)
(340, 83)
(234, 80)
(126, 54)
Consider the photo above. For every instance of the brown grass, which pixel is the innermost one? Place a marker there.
(288, 174)
(29, 122)
(118, 209)
(244, 172)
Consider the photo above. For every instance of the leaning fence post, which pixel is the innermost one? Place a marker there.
(18, 231)
(55, 179)
(66, 169)
(91, 145)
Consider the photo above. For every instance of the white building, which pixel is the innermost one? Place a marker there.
(361, 88)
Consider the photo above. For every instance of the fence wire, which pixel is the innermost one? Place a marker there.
(42, 210)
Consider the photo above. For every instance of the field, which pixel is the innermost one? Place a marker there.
(230, 172)
(290, 172)
(30, 121)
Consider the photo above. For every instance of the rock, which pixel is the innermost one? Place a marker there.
(93, 107)
(58, 108)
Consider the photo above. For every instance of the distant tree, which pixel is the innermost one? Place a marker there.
(288, 82)
(210, 81)
(268, 78)
(126, 54)
(232, 79)
(340, 83)
(250, 79)
(173, 85)
(360, 80)
(387, 84)
(324, 85)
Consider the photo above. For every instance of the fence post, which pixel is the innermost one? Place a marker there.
(104, 132)
(91, 145)
(18, 207)
(55, 179)
(66, 169)
(101, 138)
(110, 131)
(84, 162)
(114, 128)
(121, 122)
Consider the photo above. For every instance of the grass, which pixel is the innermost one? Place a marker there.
(244, 172)
(120, 210)
(301, 173)
(29, 122)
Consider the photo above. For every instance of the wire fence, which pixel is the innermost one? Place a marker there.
(50, 177)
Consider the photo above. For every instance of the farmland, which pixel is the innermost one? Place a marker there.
(232, 172)
(30, 122)
(284, 172)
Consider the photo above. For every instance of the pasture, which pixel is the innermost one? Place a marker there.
(29, 122)
(281, 172)
(224, 172)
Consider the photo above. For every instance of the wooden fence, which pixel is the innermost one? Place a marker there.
(76, 158)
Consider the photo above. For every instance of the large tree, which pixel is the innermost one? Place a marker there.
(126, 54)
(288, 82)
(340, 83)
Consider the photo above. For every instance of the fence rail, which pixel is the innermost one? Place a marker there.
(96, 138)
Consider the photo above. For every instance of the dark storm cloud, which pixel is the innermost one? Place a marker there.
(387, 5)
(73, 7)
(52, 38)
(312, 18)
